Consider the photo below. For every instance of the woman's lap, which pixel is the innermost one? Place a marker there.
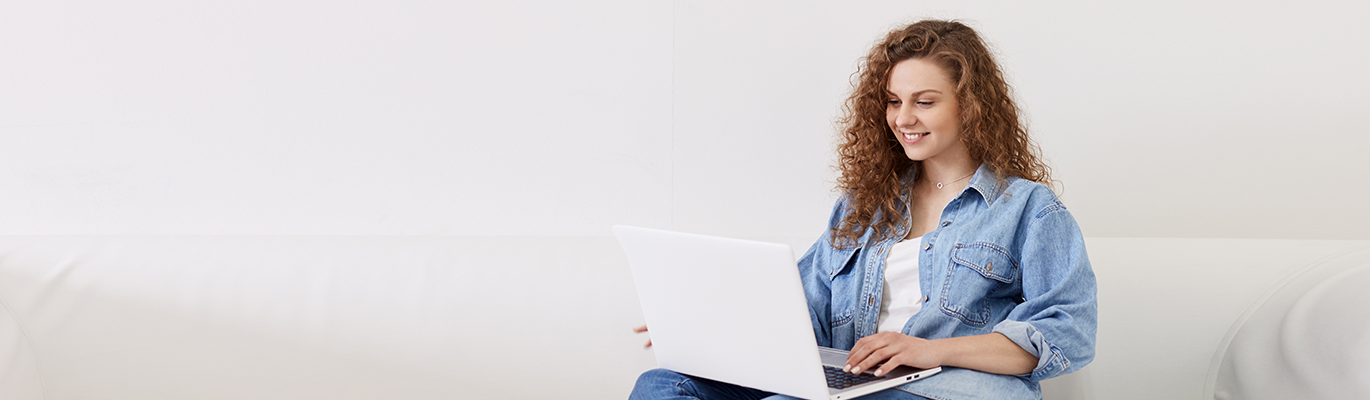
(666, 384)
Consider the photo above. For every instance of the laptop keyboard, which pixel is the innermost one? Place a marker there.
(842, 380)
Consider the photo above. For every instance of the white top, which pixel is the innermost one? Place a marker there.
(899, 304)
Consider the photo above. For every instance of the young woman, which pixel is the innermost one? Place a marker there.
(946, 249)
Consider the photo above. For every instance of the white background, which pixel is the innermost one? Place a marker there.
(1162, 119)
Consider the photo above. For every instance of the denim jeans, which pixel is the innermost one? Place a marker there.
(664, 384)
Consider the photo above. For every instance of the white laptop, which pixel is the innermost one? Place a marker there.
(734, 311)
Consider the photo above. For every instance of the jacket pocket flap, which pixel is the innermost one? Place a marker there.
(990, 260)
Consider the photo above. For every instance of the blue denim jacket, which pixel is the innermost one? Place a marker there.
(1006, 257)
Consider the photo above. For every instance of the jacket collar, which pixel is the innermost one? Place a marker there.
(987, 183)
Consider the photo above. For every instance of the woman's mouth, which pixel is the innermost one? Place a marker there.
(911, 137)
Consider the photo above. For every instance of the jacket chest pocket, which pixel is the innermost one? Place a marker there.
(845, 287)
(979, 272)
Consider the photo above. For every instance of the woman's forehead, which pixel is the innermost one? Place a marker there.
(916, 75)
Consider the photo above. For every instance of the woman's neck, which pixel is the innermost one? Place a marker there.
(948, 170)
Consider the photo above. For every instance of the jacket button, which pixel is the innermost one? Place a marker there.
(872, 300)
(945, 223)
(927, 246)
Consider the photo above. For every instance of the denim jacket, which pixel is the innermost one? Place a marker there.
(1005, 257)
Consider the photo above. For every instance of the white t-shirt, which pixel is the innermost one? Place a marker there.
(899, 304)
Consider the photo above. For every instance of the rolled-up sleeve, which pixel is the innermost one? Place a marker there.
(1058, 318)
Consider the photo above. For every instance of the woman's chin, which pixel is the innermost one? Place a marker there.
(916, 154)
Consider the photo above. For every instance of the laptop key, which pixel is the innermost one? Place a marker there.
(841, 380)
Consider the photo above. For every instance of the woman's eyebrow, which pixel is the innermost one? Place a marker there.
(915, 94)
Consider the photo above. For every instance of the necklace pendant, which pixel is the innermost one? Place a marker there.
(939, 185)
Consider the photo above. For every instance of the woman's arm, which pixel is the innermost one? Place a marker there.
(993, 353)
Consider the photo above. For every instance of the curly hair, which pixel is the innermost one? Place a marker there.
(871, 161)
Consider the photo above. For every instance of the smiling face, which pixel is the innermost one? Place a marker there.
(923, 111)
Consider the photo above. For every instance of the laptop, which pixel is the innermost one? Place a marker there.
(734, 311)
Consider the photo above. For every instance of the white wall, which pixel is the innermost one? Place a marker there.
(1218, 119)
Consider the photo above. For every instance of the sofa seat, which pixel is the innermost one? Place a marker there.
(419, 317)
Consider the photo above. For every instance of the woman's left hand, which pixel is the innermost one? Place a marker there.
(888, 350)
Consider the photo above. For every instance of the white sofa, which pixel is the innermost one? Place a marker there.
(381, 317)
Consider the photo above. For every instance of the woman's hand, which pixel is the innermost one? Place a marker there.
(889, 350)
(992, 352)
(641, 329)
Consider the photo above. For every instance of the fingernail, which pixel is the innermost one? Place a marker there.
(846, 368)
(856, 370)
(879, 372)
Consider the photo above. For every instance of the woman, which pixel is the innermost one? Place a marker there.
(947, 249)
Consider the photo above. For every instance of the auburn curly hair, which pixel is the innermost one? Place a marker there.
(870, 159)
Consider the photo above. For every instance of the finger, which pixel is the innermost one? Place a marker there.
(889, 365)
(863, 349)
(895, 361)
(854, 357)
(641, 329)
(886, 367)
(876, 357)
(858, 353)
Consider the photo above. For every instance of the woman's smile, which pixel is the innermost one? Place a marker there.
(911, 138)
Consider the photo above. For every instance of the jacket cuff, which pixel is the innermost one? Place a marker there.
(1050, 362)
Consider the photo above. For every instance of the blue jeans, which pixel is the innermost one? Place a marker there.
(665, 384)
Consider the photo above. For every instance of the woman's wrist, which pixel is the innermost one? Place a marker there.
(941, 351)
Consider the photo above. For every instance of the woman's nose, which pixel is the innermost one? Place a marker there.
(906, 117)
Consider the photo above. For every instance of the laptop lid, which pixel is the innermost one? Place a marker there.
(730, 310)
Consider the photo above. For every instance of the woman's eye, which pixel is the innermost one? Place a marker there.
(924, 103)
(893, 102)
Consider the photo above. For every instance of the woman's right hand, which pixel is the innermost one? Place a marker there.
(641, 329)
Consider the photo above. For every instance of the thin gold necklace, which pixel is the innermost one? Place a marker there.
(940, 184)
